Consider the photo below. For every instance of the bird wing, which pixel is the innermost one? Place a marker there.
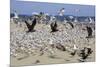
(33, 23)
(61, 47)
(71, 24)
(55, 25)
(89, 30)
(27, 24)
(52, 26)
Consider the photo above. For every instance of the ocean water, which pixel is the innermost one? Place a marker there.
(61, 18)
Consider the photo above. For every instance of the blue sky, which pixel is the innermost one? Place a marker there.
(23, 7)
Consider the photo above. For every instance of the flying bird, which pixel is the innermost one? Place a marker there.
(31, 27)
(85, 53)
(61, 12)
(89, 51)
(15, 15)
(54, 27)
(60, 47)
(89, 31)
(90, 20)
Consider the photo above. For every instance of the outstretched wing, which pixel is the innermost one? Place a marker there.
(61, 47)
(33, 23)
(27, 24)
(89, 30)
(55, 25)
(51, 26)
(71, 24)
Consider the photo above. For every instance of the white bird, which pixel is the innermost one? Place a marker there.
(75, 20)
(90, 20)
(15, 15)
(61, 12)
(75, 48)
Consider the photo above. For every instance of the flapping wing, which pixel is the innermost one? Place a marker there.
(27, 24)
(33, 23)
(51, 26)
(71, 24)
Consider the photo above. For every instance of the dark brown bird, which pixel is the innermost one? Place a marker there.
(89, 31)
(60, 47)
(31, 27)
(54, 27)
(85, 53)
(73, 53)
(89, 51)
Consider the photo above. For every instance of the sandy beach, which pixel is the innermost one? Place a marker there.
(34, 48)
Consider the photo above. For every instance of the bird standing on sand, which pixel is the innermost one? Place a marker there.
(75, 50)
(31, 27)
(15, 15)
(90, 20)
(15, 18)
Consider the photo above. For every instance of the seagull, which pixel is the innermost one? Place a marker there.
(31, 27)
(75, 50)
(91, 20)
(15, 15)
(75, 20)
(61, 12)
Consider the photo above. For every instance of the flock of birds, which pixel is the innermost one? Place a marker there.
(83, 53)
(54, 26)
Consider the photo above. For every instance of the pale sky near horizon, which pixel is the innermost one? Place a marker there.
(23, 7)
